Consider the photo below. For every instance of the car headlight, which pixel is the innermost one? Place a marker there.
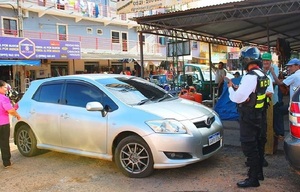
(167, 126)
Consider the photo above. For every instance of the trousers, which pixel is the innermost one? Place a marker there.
(252, 137)
(4, 144)
(278, 122)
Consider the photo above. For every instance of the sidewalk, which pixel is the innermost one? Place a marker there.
(232, 132)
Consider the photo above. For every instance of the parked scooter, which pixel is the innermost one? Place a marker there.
(14, 95)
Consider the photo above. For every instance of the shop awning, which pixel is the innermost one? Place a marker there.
(20, 62)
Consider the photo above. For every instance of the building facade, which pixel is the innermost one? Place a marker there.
(103, 40)
(107, 42)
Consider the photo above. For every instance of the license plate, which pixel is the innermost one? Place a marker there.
(214, 138)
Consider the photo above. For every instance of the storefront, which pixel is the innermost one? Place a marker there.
(28, 59)
(12, 70)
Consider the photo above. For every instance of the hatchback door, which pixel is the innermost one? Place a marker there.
(81, 129)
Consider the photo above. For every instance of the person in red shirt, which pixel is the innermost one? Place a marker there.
(127, 72)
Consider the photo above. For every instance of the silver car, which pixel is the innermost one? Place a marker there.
(292, 141)
(120, 118)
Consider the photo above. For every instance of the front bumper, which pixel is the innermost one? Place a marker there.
(194, 144)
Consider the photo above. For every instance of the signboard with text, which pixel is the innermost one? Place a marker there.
(24, 48)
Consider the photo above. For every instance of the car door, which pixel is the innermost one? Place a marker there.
(82, 129)
(45, 113)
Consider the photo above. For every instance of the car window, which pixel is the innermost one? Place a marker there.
(79, 95)
(48, 93)
(201, 69)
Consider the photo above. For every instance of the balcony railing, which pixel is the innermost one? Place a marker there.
(84, 8)
(94, 44)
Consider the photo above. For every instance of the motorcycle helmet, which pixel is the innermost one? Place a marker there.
(249, 54)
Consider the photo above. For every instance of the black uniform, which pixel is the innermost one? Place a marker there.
(252, 135)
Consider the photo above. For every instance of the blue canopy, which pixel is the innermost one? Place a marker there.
(20, 62)
(227, 109)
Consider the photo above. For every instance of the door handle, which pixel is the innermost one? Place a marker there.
(65, 116)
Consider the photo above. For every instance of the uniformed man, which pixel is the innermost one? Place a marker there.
(250, 97)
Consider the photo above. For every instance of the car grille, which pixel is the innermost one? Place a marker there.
(211, 148)
(205, 123)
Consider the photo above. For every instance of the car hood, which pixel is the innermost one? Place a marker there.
(180, 109)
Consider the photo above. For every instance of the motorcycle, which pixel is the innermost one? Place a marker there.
(14, 95)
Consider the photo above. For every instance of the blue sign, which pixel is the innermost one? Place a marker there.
(24, 48)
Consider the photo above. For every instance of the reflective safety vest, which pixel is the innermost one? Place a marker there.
(260, 91)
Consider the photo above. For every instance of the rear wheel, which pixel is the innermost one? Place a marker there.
(134, 158)
(26, 141)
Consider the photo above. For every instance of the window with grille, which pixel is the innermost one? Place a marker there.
(115, 36)
(62, 32)
(10, 26)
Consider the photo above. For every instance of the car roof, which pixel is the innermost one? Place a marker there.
(87, 77)
(92, 76)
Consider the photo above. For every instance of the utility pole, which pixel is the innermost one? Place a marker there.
(20, 19)
(141, 53)
(22, 83)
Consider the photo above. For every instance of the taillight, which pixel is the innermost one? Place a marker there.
(295, 130)
(295, 119)
(294, 108)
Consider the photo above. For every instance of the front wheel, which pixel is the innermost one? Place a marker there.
(26, 141)
(134, 158)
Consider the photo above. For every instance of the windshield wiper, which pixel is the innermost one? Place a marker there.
(145, 101)
(163, 98)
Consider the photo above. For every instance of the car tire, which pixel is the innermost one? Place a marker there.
(26, 142)
(134, 158)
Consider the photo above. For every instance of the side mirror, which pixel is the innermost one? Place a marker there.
(94, 106)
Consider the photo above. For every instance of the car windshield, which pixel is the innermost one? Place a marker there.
(206, 75)
(204, 69)
(134, 90)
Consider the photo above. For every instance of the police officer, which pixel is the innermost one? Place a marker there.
(250, 97)
(248, 54)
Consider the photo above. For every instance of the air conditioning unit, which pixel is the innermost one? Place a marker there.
(25, 13)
